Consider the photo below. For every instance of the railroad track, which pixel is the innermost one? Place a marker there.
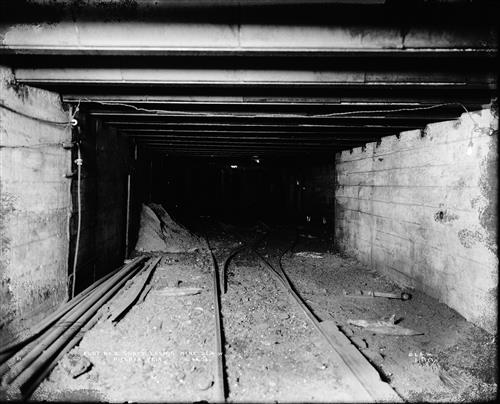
(28, 361)
(343, 352)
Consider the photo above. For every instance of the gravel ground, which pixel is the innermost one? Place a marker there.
(273, 354)
(452, 361)
(163, 349)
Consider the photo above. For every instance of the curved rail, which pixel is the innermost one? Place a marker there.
(220, 379)
(357, 367)
(346, 353)
(221, 385)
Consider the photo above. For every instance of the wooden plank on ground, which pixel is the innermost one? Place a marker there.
(358, 364)
(134, 292)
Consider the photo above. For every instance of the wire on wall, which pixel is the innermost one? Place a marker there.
(71, 122)
(35, 118)
(31, 146)
(78, 163)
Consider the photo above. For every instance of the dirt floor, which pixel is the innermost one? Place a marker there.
(164, 348)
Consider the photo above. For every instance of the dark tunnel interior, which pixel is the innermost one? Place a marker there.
(243, 190)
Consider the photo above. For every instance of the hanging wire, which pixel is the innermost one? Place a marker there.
(31, 146)
(78, 163)
(333, 114)
(193, 113)
(71, 122)
(35, 118)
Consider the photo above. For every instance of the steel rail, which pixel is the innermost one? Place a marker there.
(366, 375)
(219, 335)
(220, 379)
(235, 251)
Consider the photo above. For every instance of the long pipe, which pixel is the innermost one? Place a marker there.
(16, 357)
(48, 321)
(39, 357)
(71, 344)
(47, 343)
(12, 357)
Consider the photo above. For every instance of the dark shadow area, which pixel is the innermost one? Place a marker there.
(242, 190)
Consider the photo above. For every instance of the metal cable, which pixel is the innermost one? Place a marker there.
(333, 114)
(35, 118)
(78, 162)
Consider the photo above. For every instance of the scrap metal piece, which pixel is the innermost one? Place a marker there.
(169, 291)
(384, 327)
(371, 293)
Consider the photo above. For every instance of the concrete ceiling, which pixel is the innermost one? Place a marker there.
(268, 77)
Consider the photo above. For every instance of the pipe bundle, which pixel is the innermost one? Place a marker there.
(26, 362)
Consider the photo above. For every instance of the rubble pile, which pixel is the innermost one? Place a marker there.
(158, 232)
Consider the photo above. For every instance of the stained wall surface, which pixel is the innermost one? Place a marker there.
(35, 204)
(422, 209)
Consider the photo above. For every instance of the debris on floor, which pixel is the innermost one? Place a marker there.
(307, 254)
(384, 327)
(371, 293)
(177, 291)
(75, 364)
(158, 232)
(158, 352)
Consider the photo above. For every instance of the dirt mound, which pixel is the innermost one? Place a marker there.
(159, 232)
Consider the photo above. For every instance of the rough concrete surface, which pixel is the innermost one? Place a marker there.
(422, 208)
(34, 204)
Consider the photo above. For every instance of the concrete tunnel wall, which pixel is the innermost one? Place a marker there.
(38, 204)
(35, 204)
(419, 208)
